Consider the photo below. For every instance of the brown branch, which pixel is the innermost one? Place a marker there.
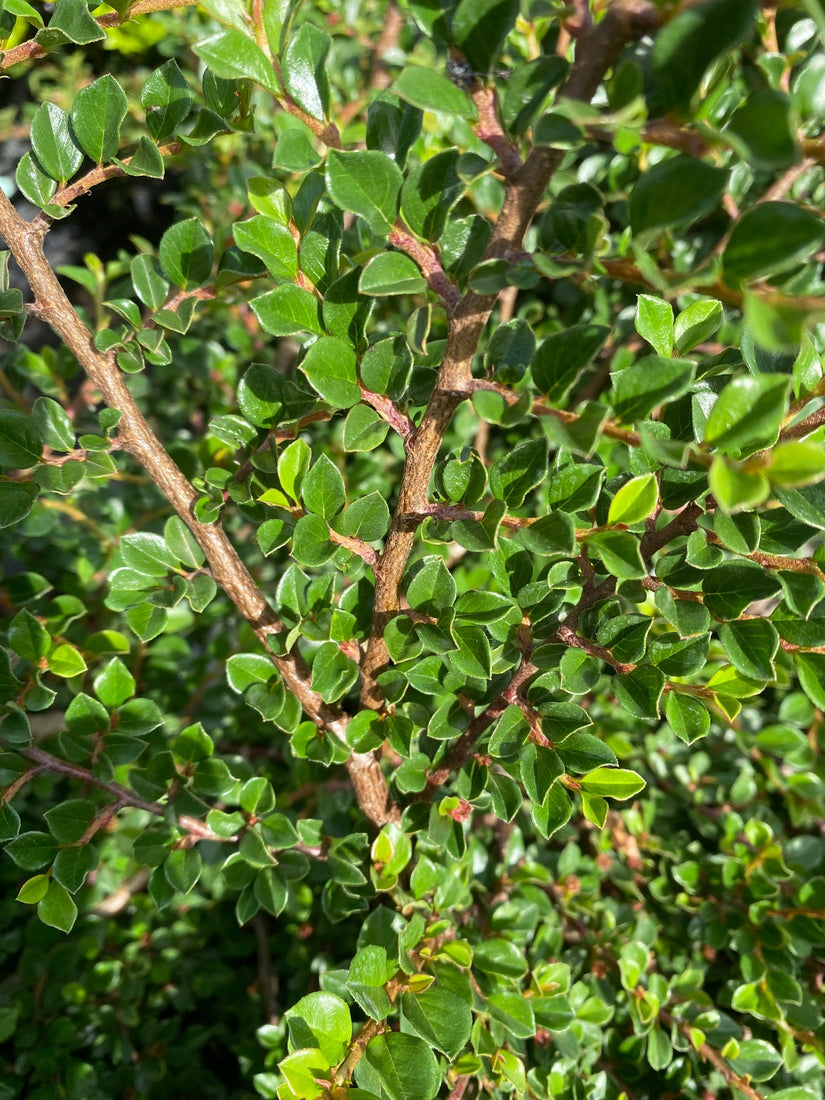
(681, 524)
(357, 546)
(462, 750)
(98, 175)
(427, 259)
(568, 637)
(804, 427)
(489, 130)
(388, 411)
(136, 437)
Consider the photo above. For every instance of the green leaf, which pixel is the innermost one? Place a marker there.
(811, 670)
(769, 238)
(751, 646)
(685, 47)
(561, 357)
(305, 69)
(635, 500)
(367, 518)
(20, 442)
(612, 783)
(329, 364)
(69, 821)
(499, 957)
(686, 716)
(311, 542)
(232, 55)
(580, 752)
(515, 1012)
(186, 254)
(147, 554)
(402, 1066)
(639, 691)
(480, 28)
(115, 684)
(53, 424)
(732, 586)
(697, 323)
(391, 273)
(54, 143)
(57, 908)
(429, 193)
(66, 661)
(654, 323)
(16, 501)
(333, 673)
(756, 1059)
(321, 1020)
(73, 19)
(439, 1017)
(520, 471)
(34, 182)
(392, 126)
(795, 464)
(619, 552)
(763, 129)
(288, 310)
(675, 192)
(31, 892)
(364, 429)
(182, 544)
(367, 183)
(432, 589)
(322, 490)
(98, 112)
(748, 414)
(27, 637)
(430, 91)
(271, 242)
(167, 100)
(649, 382)
(182, 868)
(735, 489)
(147, 277)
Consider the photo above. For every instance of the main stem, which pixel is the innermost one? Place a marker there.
(597, 50)
(135, 436)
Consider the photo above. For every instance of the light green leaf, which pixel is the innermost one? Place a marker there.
(635, 500)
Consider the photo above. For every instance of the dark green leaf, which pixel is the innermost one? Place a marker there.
(305, 69)
(232, 55)
(675, 192)
(770, 237)
(430, 91)
(562, 356)
(98, 112)
(366, 183)
(186, 254)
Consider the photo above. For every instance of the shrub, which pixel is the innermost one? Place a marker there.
(413, 550)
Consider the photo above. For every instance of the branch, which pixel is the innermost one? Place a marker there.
(98, 175)
(462, 750)
(136, 437)
(597, 49)
(804, 427)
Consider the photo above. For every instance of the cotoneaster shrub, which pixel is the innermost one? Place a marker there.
(413, 587)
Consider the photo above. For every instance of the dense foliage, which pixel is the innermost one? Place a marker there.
(412, 508)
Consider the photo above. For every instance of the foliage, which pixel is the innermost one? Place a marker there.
(413, 551)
